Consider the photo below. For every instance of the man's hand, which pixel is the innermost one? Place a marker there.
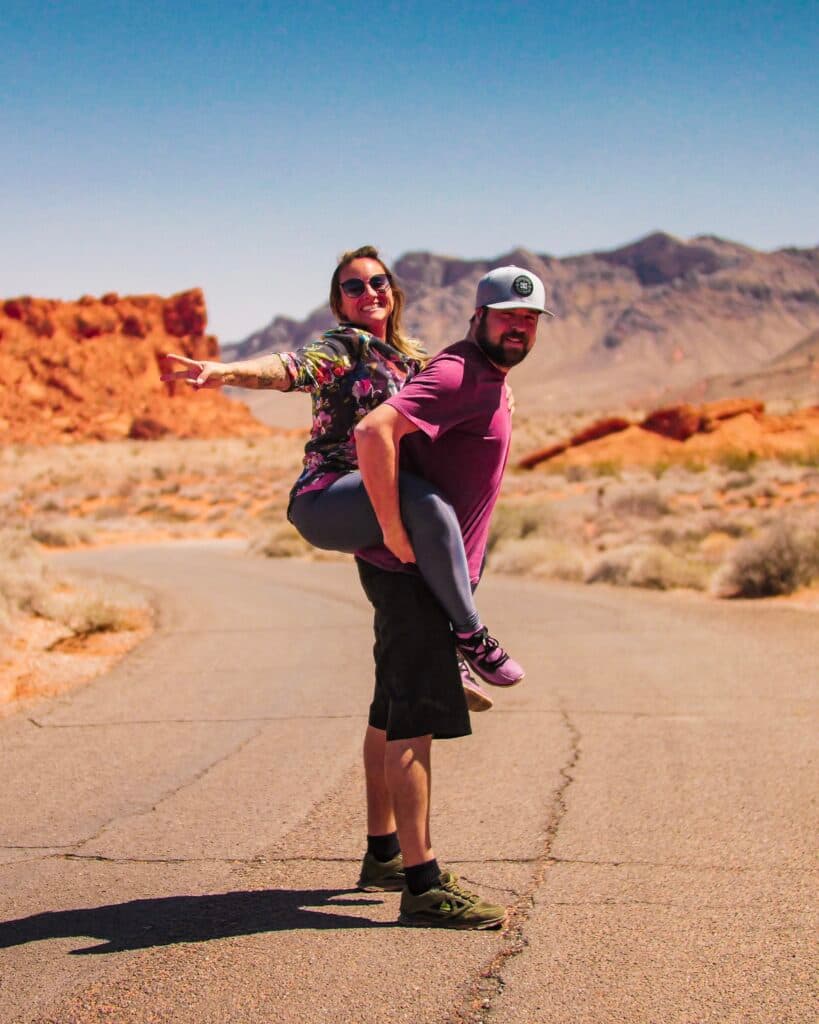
(510, 398)
(198, 372)
(398, 542)
(377, 438)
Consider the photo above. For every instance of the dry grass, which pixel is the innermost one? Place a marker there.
(540, 557)
(647, 565)
(659, 527)
(29, 588)
(556, 524)
(47, 621)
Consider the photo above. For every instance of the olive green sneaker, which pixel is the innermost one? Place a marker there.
(449, 906)
(381, 876)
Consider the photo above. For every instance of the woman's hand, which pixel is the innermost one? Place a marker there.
(198, 372)
(398, 542)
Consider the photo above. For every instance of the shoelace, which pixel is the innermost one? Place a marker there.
(461, 893)
(489, 644)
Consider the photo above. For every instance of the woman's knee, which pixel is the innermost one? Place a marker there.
(429, 513)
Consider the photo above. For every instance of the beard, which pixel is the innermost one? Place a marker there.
(498, 351)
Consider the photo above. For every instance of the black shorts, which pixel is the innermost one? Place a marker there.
(418, 688)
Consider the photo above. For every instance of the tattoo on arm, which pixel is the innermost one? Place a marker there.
(267, 372)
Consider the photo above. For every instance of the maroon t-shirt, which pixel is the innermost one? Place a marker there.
(458, 402)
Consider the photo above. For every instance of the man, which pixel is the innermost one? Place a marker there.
(453, 426)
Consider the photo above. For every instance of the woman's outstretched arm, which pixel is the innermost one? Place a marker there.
(265, 372)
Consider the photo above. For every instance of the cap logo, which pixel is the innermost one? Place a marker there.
(523, 286)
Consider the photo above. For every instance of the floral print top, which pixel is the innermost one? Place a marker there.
(348, 372)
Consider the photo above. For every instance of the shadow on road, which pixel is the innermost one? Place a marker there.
(140, 924)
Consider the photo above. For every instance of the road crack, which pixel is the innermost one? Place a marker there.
(489, 985)
(188, 781)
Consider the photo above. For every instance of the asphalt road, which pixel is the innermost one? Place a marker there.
(180, 839)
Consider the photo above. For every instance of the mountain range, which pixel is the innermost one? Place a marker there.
(660, 319)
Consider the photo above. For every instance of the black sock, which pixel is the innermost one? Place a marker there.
(422, 877)
(384, 848)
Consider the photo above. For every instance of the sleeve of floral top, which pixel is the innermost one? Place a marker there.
(315, 364)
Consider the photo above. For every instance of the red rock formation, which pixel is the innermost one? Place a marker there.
(601, 428)
(679, 422)
(735, 426)
(726, 408)
(89, 370)
(542, 455)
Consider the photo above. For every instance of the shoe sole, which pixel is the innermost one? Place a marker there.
(456, 925)
(375, 887)
(494, 682)
(477, 701)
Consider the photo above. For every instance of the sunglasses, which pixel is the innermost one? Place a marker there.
(354, 287)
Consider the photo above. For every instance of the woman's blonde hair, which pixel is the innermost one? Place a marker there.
(395, 331)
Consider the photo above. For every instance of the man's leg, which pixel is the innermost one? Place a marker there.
(417, 695)
(380, 811)
(408, 772)
(383, 867)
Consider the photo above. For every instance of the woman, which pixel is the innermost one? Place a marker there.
(349, 371)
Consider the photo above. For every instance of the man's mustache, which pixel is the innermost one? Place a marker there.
(514, 336)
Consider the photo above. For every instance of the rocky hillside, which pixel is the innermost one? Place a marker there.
(74, 371)
(634, 325)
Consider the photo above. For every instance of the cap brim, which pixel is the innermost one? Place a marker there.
(516, 304)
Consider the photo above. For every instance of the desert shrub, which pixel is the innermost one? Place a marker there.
(517, 522)
(27, 585)
(88, 611)
(646, 565)
(720, 522)
(5, 613)
(808, 458)
(678, 534)
(646, 502)
(737, 479)
(606, 467)
(281, 541)
(762, 489)
(23, 576)
(781, 560)
(95, 614)
(105, 512)
(737, 461)
(541, 557)
(166, 513)
(61, 533)
(273, 512)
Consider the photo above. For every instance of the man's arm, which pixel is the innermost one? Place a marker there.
(377, 439)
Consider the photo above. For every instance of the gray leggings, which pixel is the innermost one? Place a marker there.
(341, 518)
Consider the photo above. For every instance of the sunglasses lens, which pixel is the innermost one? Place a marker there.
(353, 288)
(380, 282)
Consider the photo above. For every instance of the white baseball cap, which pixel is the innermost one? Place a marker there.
(511, 288)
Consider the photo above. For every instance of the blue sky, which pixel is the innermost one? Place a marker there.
(241, 147)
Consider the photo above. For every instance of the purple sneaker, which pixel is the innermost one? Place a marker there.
(477, 699)
(485, 656)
